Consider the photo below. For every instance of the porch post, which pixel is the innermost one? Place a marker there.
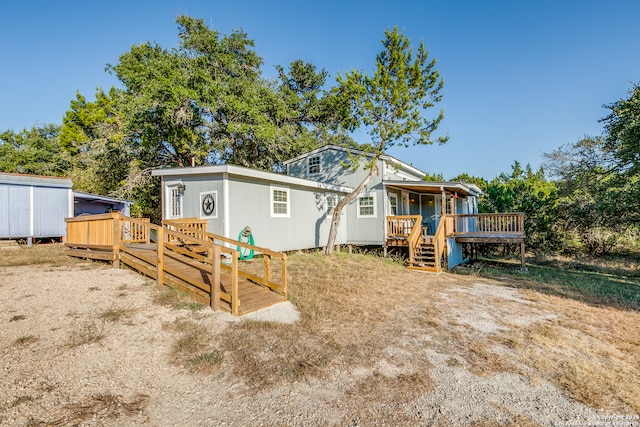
(523, 266)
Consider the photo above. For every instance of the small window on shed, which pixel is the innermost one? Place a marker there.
(175, 201)
(280, 202)
(314, 165)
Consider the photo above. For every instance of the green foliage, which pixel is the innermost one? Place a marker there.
(528, 192)
(599, 179)
(93, 141)
(206, 101)
(35, 151)
(436, 177)
(389, 105)
(470, 179)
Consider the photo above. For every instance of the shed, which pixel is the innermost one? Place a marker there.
(33, 206)
(85, 203)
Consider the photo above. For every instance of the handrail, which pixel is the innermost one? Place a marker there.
(267, 255)
(414, 237)
(165, 239)
(401, 225)
(439, 244)
(511, 223)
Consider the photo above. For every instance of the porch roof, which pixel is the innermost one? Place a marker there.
(432, 187)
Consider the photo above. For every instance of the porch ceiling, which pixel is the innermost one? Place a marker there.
(430, 187)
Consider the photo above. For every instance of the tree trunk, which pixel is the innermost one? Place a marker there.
(337, 212)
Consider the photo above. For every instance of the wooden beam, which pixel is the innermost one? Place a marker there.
(214, 298)
(160, 257)
(523, 266)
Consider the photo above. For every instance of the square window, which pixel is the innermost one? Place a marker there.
(314, 165)
(367, 206)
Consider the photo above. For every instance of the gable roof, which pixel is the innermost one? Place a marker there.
(387, 158)
(249, 173)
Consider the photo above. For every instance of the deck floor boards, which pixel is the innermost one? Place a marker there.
(251, 295)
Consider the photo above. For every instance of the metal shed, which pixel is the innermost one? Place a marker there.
(33, 206)
(86, 203)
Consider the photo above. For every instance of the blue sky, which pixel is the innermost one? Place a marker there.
(521, 77)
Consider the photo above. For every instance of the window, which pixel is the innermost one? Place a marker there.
(314, 166)
(175, 202)
(393, 204)
(332, 201)
(279, 202)
(367, 206)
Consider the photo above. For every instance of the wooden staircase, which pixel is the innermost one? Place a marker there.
(424, 256)
(425, 252)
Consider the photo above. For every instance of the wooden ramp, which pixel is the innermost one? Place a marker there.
(196, 277)
(184, 256)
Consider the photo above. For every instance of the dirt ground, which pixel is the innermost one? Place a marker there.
(87, 344)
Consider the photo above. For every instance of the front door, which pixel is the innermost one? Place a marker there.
(429, 213)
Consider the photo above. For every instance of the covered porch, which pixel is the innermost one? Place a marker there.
(434, 219)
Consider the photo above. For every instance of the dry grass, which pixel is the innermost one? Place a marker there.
(194, 349)
(103, 407)
(115, 314)
(86, 332)
(38, 254)
(358, 311)
(177, 299)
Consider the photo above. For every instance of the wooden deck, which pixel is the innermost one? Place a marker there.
(183, 256)
(427, 252)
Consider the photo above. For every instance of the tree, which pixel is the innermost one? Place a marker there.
(207, 102)
(389, 105)
(34, 151)
(437, 177)
(92, 138)
(524, 190)
(470, 179)
(599, 178)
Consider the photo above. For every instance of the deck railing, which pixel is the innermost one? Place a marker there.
(198, 228)
(401, 225)
(190, 226)
(500, 224)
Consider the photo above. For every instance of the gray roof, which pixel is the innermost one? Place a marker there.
(35, 180)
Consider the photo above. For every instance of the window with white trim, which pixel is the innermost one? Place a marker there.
(367, 206)
(314, 165)
(393, 204)
(280, 202)
(175, 194)
(332, 201)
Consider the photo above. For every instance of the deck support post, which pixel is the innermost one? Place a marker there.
(160, 257)
(214, 297)
(115, 241)
(523, 266)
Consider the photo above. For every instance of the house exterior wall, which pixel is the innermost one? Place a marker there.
(195, 185)
(34, 207)
(454, 253)
(306, 225)
(243, 201)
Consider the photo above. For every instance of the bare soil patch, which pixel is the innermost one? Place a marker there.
(85, 344)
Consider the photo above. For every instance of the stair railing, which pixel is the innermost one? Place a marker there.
(414, 237)
(439, 244)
